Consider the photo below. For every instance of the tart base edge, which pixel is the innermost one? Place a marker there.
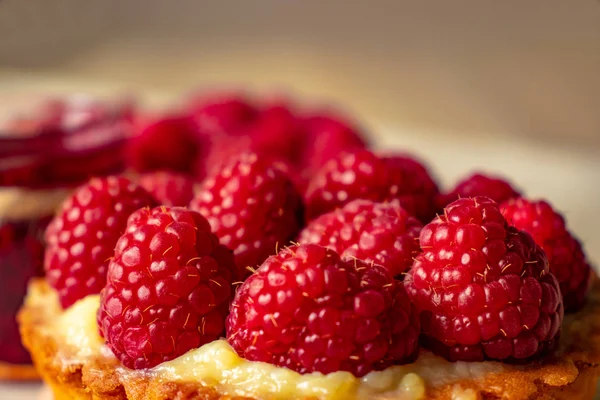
(573, 373)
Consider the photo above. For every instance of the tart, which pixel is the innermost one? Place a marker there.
(136, 299)
(75, 363)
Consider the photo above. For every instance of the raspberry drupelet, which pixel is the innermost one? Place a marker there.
(381, 233)
(253, 207)
(565, 254)
(482, 287)
(307, 310)
(81, 238)
(361, 174)
(168, 287)
(169, 188)
(480, 184)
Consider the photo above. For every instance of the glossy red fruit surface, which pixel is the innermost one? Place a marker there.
(168, 287)
(565, 254)
(479, 184)
(253, 207)
(169, 188)
(380, 233)
(362, 174)
(81, 238)
(307, 310)
(483, 288)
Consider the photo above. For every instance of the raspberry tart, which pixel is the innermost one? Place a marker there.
(380, 298)
(310, 324)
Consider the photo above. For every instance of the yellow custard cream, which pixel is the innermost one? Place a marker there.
(216, 364)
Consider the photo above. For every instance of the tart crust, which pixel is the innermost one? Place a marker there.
(571, 373)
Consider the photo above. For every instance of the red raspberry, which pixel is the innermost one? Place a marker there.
(381, 233)
(81, 237)
(483, 287)
(327, 135)
(252, 207)
(307, 310)
(221, 113)
(169, 188)
(274, 135)
(478, 184)
(225, 152)
(363, 175)
(168, 287)
(222, 152)
(172, 143)
(565, 255)
(277, 133)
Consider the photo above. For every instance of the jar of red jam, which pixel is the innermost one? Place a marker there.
(43, 155)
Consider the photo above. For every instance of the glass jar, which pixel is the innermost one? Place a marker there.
(43, 155)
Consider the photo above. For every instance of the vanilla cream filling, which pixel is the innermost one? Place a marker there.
(217, 364)
(22, 204)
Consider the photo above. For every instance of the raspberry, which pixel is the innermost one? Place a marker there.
(565, 255)
(381, 233)
(222, 152)
(273, 135)
(81, 237)
(327, 135)
(168, 287)
(308, 310)
(172, 143)
(478, 184)
(276, 133)
(221, 113)
(225, 152)
(482, 287)
(363, 175)
(169, 188)
(252, 207)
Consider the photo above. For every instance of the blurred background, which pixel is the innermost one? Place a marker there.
(485, 67)
(503, 86)
(510, 87)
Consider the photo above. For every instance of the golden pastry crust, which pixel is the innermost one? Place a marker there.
(571, 373)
